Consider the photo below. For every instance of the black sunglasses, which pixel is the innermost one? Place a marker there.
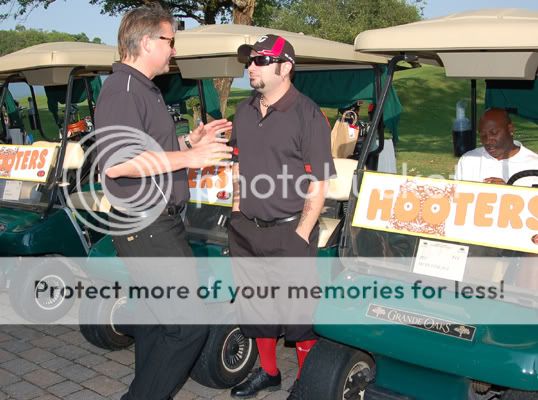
(262, 61)
(171, 40)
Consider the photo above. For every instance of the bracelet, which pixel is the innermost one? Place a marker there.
(187, 141)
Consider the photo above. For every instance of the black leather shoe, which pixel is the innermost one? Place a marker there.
(294, 392)
(258, 380)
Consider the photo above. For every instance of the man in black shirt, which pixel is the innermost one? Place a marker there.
(143, 168)
(277, 132)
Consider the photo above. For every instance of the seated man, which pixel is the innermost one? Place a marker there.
(501, 157)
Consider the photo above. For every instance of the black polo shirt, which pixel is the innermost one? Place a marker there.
(294, 133)
(128, 98)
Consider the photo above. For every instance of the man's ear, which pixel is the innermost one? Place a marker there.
(145, 44)
(511, 129)
(286, 68)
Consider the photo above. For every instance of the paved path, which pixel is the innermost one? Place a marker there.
(48, 362)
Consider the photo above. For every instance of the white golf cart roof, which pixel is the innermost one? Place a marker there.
(490, 43)
(51, 63)
(211, 51)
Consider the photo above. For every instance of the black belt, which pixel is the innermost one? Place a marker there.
(170, 210)
(260, 223)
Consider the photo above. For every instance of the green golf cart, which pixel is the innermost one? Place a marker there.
(450, 312)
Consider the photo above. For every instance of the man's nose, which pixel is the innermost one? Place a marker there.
(173, 51)
(489, 138)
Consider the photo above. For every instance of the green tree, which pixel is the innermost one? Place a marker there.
(342, 20)
(21, 37)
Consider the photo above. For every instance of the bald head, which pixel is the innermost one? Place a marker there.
(497, 133)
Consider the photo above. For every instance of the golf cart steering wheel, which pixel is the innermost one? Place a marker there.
(522, 174)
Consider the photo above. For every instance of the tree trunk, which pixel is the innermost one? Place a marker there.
(243, 10)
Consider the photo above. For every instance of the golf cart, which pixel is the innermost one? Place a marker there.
(421, 338)
(33, 206)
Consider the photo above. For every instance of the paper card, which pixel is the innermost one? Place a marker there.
(352, 131)
(441, 260)
(12, 190)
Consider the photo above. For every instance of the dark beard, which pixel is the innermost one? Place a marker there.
(260, 85)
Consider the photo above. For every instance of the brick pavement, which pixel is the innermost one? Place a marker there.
(49, 362)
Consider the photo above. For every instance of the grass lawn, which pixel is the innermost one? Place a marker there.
(429, 108)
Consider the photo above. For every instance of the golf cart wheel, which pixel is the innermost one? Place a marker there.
(97, 323)
(38, 292)
(226, 359)
(512, 394)
(335, 372)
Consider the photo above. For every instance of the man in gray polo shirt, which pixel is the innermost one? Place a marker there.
(143, 171)
(277, 132)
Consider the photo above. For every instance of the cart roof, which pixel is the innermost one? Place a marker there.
(51, 63)
(220, 42)
(490, 43)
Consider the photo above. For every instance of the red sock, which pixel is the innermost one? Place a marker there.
(267, 351)
(302, 349)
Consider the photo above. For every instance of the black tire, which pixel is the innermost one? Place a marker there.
(226, 359)
(102, 334)
(37, 292)
(335, 372)
(512, 394)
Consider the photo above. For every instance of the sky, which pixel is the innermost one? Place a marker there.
(76, 16)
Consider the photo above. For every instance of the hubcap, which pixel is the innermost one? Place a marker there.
(235, 351)
(50, 292)
(356, 381)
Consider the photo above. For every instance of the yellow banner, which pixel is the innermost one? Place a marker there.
(25, 163)
(490, 215)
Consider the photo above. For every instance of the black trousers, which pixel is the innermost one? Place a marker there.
(248, 240)
(164, 354)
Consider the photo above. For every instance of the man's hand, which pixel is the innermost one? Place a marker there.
(209, 131)
(303, 234)
(214, 152)
(497, 181)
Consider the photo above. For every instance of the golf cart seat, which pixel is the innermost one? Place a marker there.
(74, 158)
(339, 189)
(74, 155)
(92, 200)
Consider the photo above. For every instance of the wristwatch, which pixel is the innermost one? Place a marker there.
(187, 141)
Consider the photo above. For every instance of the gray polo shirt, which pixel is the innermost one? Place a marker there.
(294, 138)
(129, 99)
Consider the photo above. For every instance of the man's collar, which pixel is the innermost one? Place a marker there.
(283, 104)
(135, 73)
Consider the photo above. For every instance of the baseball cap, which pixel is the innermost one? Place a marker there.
(268, 45)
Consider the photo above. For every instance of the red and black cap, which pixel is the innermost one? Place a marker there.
(268, 45)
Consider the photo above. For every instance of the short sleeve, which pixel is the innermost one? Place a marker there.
(316, 145)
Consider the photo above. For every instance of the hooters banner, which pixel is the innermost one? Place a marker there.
(211, 185)
(25, 163)
(483, 214)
